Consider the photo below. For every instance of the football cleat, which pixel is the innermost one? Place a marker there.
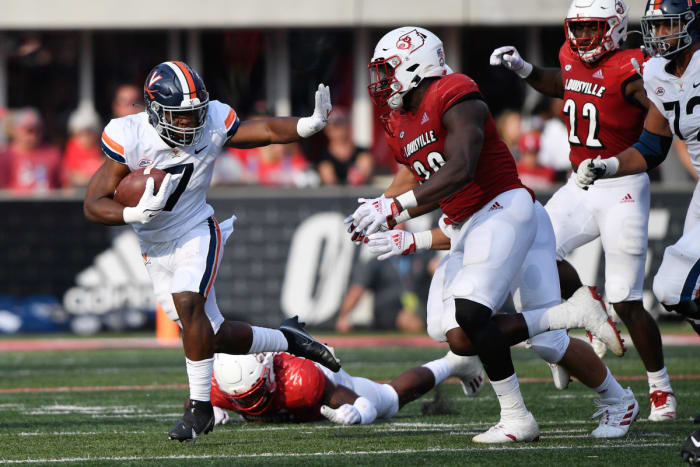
(301, 344)
(470, 372)
(198, 420)
(582, 312)
(560, 375)
(615, 417)
(690, 452)
(663, 406)
(511, 430)
(598, 345)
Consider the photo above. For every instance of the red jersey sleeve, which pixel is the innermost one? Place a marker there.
(300, 383)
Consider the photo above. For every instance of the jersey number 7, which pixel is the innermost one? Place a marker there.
(186, 171)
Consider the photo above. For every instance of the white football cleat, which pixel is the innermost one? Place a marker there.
(663, 406)
(615, 417)
(560, 375)
(598, 345)
(511, 430)
(470, 372)
(583, 310)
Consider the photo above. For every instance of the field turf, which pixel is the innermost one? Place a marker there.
(121, 404)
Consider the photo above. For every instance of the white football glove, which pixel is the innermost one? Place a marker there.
(308, 126)
(371, 214)
(150, 204)
(509, 57)
(591, 170)
(384, 245)
(346, 414)
(221, 416)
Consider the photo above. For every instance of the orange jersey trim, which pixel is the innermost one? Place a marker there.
(113, 145)
(230, 119)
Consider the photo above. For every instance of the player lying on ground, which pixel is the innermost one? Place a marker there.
(441, 132)
(280, 387)
(182, 132)
(604, 109)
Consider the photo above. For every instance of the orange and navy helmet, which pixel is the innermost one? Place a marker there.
(669, 26)
(176, 102)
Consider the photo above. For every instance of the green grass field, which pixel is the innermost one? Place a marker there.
(119, 426)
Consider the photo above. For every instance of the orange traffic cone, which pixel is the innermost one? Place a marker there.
(167, 330)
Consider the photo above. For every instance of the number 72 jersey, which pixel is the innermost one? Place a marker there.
(678, 99)
(133, 141)
(600, 120)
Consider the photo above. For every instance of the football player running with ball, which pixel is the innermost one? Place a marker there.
(500, 238)
(182, 132)
(280, 387)
(604, 108)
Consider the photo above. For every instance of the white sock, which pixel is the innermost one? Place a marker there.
(659, 381)
(610, 389)
(267, 340)
(440, 368)
(199, 376)
(537, 321)
(509, 397)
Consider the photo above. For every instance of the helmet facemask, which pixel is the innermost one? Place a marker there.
(384, 89)
(679, 27)
(169, 116)
(248, 381)
(591, 48)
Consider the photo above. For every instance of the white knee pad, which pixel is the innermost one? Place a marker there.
(664, 290)
(165, 301)
(551, 346)
(617, 291)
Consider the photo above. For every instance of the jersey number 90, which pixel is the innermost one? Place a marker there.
(435, 161)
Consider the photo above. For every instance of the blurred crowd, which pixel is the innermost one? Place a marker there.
(29, 164)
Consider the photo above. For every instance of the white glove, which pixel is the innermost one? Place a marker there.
(308, 126)
(371, 214)
(398, 243)
(591, 170)
(346, 414)
(150, 204)
(221, 416)
(509, 57)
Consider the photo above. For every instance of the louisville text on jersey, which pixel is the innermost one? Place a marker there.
(584, 87)
(419, 143)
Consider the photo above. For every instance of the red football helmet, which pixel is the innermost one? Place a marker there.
(247, 380)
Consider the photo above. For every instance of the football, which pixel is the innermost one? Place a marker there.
(131, 187)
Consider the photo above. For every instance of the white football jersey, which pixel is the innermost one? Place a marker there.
(678, 99)
(133, 141)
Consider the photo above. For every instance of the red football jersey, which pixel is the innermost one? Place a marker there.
(300, 386)
(600, 120)
(418, 142)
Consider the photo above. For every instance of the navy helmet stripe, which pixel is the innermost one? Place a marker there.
(690, 283)
(211, 257)
(112, 154)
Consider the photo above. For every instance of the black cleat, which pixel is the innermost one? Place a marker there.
(198, 420)
(690, 452)
(300, 343)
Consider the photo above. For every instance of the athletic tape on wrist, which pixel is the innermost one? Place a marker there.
(308, 126)
(402, 217)
(424, 240)
(407, 200)
(525, 71)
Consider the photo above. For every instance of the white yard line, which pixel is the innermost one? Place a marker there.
(625, 445)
